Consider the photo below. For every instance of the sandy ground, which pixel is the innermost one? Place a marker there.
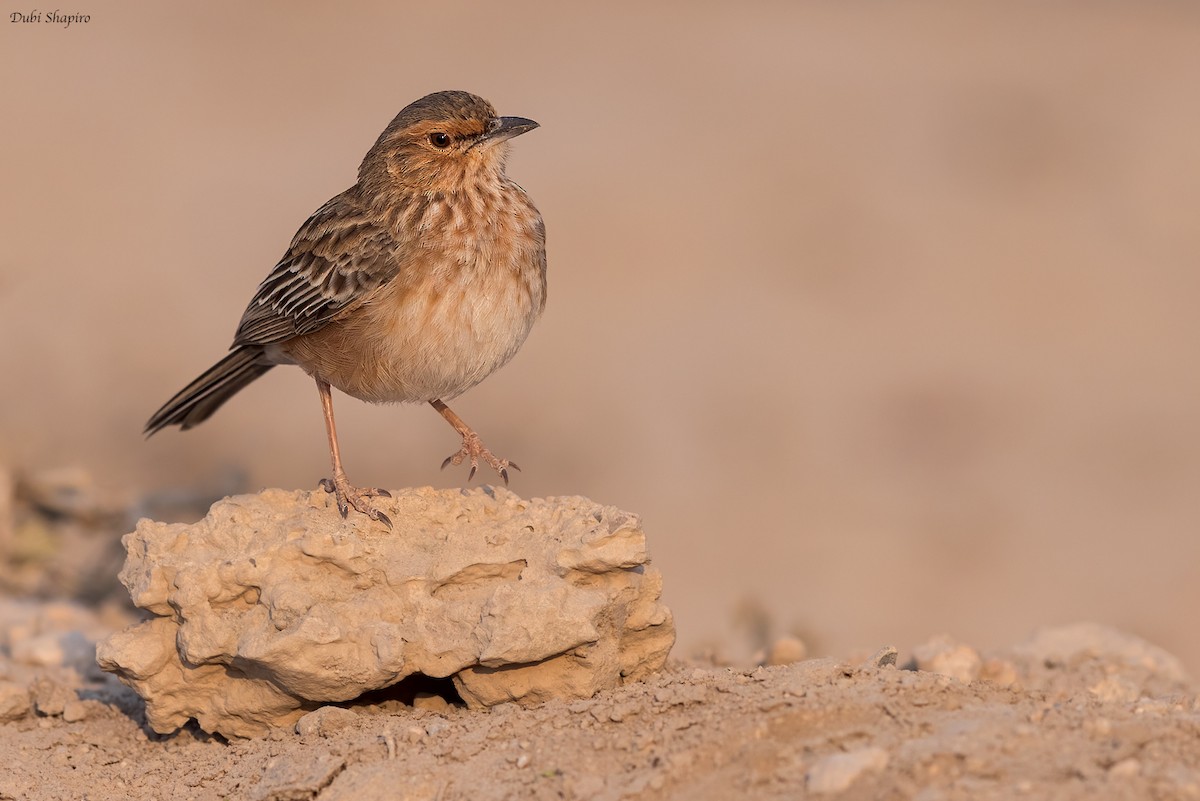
(1081, 712)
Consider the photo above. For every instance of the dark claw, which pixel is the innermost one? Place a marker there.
(383, 492)
(514, 466)
(448, 460)
(387, 521)
(344, 508)
(504, 474)
(325, 484)
(471, 475)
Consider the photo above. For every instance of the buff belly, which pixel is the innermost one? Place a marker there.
(422, 342)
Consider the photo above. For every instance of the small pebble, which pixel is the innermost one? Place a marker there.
(884, 657)
(787, 650)
(44, 650)
(1000, 672)
(75, 711)
(325, 721)
(836, 772)
(49, 697)
(773, 703)
(947, 657)
(430, 702)
(389, 742)
(14, 701)
(1115, 690)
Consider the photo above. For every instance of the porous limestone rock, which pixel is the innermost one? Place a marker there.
(273, 605)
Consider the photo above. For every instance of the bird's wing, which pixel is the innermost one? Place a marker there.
(337, 258)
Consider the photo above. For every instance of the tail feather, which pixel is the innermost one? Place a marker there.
(196, 402)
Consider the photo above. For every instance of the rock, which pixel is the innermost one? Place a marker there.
(884, 657)
(787, 650)
(75, 711)
(44, 650)
(1125, 769)
(1115, 667)
(274, 605)
(14, 701)
(325, 721)
(71, 492)
(430, 702)
(946, 656)
(289, 779)
(999, 671)
(394, 781)
(836, 772)
(1115, 690)
(50, 697)
(1080, 641)
(54, 634)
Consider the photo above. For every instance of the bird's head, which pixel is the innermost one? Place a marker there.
(441, 143)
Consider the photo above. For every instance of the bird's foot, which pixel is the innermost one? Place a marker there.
(348, 496)
(473, 450)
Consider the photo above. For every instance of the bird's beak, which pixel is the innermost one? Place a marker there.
(507, 127)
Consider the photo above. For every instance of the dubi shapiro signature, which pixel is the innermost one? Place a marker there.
(54, 17)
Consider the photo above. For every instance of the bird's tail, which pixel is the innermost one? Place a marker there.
(194, 403)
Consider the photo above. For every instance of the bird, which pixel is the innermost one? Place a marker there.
(412, 286)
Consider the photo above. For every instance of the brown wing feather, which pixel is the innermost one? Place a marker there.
(338, 257)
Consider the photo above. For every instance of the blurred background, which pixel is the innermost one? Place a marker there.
(882, 315)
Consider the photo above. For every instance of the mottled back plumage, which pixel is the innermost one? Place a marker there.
(338, 256)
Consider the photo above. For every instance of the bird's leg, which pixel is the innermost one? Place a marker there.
(472, 447)
(345, 494)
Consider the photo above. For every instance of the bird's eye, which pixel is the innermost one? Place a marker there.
(439, 139)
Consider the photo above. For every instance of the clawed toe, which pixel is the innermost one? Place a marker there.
(348, 496)
(503, 469)
(472, 447)
(473, 450)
